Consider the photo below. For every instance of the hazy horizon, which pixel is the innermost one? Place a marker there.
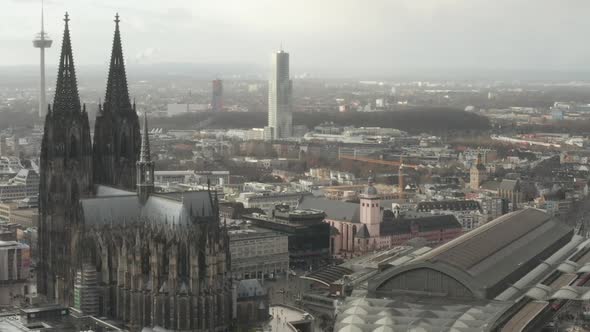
(244, 71)
(325, 38)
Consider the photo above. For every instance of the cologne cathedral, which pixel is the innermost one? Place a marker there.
(108, 244)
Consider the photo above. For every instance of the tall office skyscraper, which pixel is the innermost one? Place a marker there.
(217, 99)
(279, 97)
(42, 41)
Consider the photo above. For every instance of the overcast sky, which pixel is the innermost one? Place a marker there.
(337, 34)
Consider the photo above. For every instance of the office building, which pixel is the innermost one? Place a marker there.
(24, 184)
(258, 253)
(15, 260)
(308, 235)
(217, 98)
(9, 166)
(280, 97)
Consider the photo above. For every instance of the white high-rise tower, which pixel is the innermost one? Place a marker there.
(279, 97)
(42, 41)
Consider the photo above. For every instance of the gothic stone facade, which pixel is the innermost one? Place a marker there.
(173, 275)
(160, 259)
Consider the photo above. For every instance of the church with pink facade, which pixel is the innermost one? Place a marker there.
(369, 225)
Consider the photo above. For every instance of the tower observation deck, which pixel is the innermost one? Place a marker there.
(42, 41)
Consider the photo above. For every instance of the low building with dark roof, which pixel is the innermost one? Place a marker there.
(334, 210)
(467, 212)
(308, 236)
(458, 205)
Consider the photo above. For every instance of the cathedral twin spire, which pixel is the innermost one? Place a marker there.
(67, 98)
(66, 91)
(117, 94)
(117, 139)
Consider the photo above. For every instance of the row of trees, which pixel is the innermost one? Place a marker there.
(432, 120)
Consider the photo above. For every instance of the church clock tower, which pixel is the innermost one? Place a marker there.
(371, 208)
(477, 174)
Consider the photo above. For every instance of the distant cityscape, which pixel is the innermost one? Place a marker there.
(292, 203)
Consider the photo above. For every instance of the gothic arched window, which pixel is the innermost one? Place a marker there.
(73, 147)
(74, 192)
(145, 262)
(123, 145)
(165, 262)
(183, 260)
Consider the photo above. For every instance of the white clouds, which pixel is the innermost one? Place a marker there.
(338, 33)
(146, 55)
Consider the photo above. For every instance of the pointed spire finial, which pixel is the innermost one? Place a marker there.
(145, 141)
(66, 97)
(117, 93)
